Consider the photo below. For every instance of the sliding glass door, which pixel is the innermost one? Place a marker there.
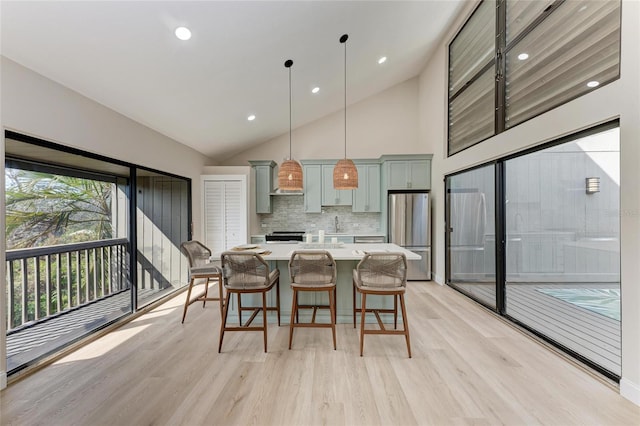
(162, 217)
(563, 263)
(555, 223)
(89, 240)
(471, 233)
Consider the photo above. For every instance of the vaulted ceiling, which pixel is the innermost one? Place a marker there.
(124, 55)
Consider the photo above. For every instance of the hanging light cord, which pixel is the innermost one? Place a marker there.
(345, 37)
(290, 110)
(288, 63)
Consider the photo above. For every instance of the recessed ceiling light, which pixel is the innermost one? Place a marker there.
(523, 56)
(593, 83)
(315, 90)
(183, 33)
(251, 117)
(583, 8)
(382, 60)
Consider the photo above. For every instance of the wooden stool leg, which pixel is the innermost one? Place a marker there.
(395, 311)
(278, 299)
(206, 292)
(264, 318)
(363, 310)
(223, 323)
(332, 307)
(335, 304)
(405, 322)
(240, 309)
(354, 305)
(220, 295)
(294, 312)
(186, 302)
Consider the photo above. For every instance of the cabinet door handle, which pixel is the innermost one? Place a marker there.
(408, 184)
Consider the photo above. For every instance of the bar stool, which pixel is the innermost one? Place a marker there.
(200, 269)
(312, 271)
(383, 274)
(248, 273)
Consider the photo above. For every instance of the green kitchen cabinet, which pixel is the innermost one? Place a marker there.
(366, 199)
(331, 196)
(408, 174)
(264, 171)
(312, 181)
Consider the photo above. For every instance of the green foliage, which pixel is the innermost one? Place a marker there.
(47, 209)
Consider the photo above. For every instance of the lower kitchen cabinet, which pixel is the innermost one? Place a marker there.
(258, 239)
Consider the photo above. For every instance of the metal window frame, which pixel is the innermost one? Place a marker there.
(131, 191)
(500, 241)
(499, 62)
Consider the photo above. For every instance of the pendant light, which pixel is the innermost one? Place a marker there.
(345, 173)
(290, 172)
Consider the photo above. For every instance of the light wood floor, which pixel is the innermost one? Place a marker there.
(468, 367)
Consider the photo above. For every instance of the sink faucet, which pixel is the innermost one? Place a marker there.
(336, 224)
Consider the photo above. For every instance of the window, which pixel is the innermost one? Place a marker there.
(471, 80)
(545, 53)
(89, 240)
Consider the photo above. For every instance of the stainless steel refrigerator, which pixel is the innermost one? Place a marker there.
(409, 226)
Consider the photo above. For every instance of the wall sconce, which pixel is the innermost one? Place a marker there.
(592, 185)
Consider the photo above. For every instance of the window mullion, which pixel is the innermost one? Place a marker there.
(501, 42)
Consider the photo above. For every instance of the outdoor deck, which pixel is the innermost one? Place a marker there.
(593, 335)
(33, 341)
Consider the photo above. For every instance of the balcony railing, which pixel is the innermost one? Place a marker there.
(45, 281)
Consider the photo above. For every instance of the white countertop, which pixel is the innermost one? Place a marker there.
(341, 234)
(345, 252)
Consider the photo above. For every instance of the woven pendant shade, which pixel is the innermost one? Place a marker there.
(345, 175)
(290, 172)
(290, 176)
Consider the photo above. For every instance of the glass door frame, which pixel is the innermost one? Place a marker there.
(499, 236)
(500, 241)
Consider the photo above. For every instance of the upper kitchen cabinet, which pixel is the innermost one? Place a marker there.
(331, 196)
(407, 173)
(366, 199)
(264, 171)
(312, 177)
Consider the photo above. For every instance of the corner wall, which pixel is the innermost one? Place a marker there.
(36, 106)
(620, 99)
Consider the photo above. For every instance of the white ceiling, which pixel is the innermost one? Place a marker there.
(123, 54)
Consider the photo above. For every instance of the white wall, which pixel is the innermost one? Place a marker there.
(34, 105)
(618, 99)
(385, 123)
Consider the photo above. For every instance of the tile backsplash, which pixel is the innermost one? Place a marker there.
(288, 215)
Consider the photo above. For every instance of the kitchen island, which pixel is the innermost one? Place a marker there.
(346, 256)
